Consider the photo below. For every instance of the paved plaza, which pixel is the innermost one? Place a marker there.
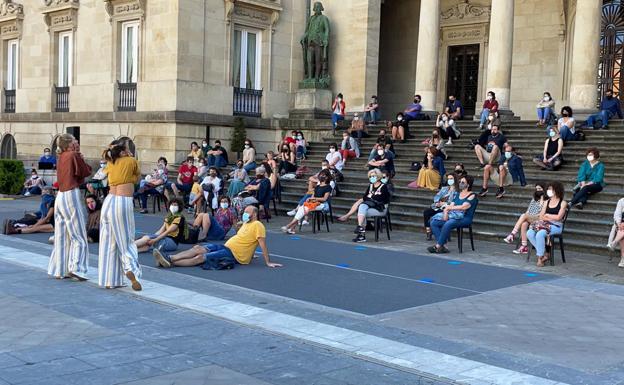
(337, 313)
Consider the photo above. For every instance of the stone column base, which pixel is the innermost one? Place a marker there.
(312, 104)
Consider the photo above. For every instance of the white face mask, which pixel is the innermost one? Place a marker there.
(380, 152)
(33, 177)
(489, 97)
(173, 209)
(590, 158)
(46, 153)
(204, 144)
(550, 193)
(490, 118)
(332, 150)
(340, 99)
(546, 98)
(444, 118)
(160, 171)
(324, 168)
(356, 118)
(224, 205)
(399, 118)
(247, 146)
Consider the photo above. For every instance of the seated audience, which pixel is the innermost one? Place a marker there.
(545, 107)
(358, 128)
(386, 140)
(444, 197)
(48, 158)
(225, 215)
(211, 186)
(491, 152)
(291, 143)
(436, 141)
(238, 179)
(566, 124)
(460, 170)
(184, 182)
(300, 147)
(316, 202)
(590, 179)
(169, 234)
(205, 148)
(490, 105)
(447, 128)
(196, 153)
(383, 160)
(202, 168)
(371, 111)
(217, 156)
(338, 111)
(549, 222)
(249, 156)
(94, 207)
(430, 174)
(155, 186)
(531, 215)
(99, 180)
(454, 108)
(196, 198)
(414, 110)
(399, 128)
(609, 107)
(453, 215)
(286, 161)
(552, 157)
(41, 221)
(509, 170)
(349, 148)
(33, 185)
(260, 190)
(334, 158)
(270, 159)
(616, 237)
(386, 179)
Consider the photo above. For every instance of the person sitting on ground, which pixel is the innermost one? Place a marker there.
(41, 221)
(99, 180)
(616, 237)
(225, 215)
(609, 107)
(195, 153)
(490, 105)
(454, 108)
(371, 111)
(286, 165)
(169, 234)
(545, 107)
(205, 227)
(552, 157)
(238, 179)
(399, 128)
(300, 147)
(185, 177)
(211, 186)
(590, 178)
(239, 249)
(316, 202)
(435, 141)
(566, 124)
(414, 110)
(349, 148)
(334, 158)
(531, 215)
(217, 156)
(430, 174)
(155, 186)
(48, 158)
(453, 215)
(508, 171)
(444, 197)
(338, 111)
(447, 128)
(383, 160)
(33, 185)
(94, 207)
(491, 153)
(358, 128)
(374, 202)
(549, 222)
(386, 139)
(195, 199)
(249, 156)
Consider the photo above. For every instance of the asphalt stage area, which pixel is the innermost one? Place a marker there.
(360, 278)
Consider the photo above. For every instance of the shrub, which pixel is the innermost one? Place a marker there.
(239, 135)
(12, 176)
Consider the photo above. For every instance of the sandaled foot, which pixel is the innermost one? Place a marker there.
(342, 219)
(78, 276)
(136, 285)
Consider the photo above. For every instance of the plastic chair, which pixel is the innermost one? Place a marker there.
(383, 219)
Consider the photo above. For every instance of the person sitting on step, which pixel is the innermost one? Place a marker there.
(349, 148)
(454, 108)
(371, 111)
(436, 141)
(334, 158)
(552, 157)
(616, 237)
(383, 160)
(566, 124)
(550, 221)
(287, 163)
(33, 185)
(316, 202)
(238, 179)
(430, 174)
(444, 197)
(386, 139)
(590, 178)
(399, 128)
(491, 152)
(545, 107)
(531, 215)
(508, 171)
(358, 128)
(490, 106)
(447, 128)
(609, 107)
(289, 141)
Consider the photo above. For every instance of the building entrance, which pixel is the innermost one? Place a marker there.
(463, 75)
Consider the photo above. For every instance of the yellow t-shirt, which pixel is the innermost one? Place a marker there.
(196, 189)
(124, 170)
(175, 221)
(243, 245)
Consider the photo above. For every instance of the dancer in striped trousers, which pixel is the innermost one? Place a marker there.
(118, 255)
(70, 256)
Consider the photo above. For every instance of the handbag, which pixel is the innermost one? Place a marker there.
(540, 225)
(310, 206)
(416, 166)
(373, 204)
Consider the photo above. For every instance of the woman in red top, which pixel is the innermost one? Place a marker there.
(338, 111)
(70, 255)
(489, 105)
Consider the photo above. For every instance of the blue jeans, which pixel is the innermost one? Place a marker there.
(166, 244)
(144, 195)
(371, 116)
(516, 170)
(484, 115)
(543, 113)
(251, 166)
(603, 116)
(566, 134)
(216, 161)
(301, 151)
(216, 252)
(335, 119)
(442, 230)
(35, 190)
(538, 239)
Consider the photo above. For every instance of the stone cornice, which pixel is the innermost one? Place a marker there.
(11, 17)
(260, 13)
(125, 9)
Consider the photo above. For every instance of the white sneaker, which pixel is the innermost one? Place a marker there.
(27, 194)
(610, 246)
(292, 213)
(284, 229)
(621, 264)
(450, 142)
(305, 223)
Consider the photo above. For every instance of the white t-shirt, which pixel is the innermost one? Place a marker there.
(561, 123)
(216, 182)
(335, 157)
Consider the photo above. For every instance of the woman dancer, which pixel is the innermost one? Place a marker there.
(70, 255)
(118, 254)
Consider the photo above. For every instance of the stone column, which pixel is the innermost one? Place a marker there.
(427, 59)
(585, 55)
(500, 51)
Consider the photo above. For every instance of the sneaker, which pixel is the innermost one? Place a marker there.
(621, 264)
(161, 258)
(483, 192)
(304, 223)
(284, 229)
(500, 192)
(443, 250)
(27, 194)
(611, 247)
(432, 249)
(509, 239)
(450, 142)
(523, 249)
(358, 230)
(360, 238)
(292, 213)
(579, 206)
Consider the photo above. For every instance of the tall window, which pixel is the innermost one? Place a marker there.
(129, 52)
(64, 59)
(12, 64)
(246, 59)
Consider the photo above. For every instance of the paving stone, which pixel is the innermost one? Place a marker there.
(7, 360)
(39, 371)
(206, 375)
(55, 351)
(114, 374)
(123, 355)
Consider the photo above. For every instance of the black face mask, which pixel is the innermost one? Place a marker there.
(609, 97)
(459, 171)
(417, 101)
(538, 195)
(564, 114)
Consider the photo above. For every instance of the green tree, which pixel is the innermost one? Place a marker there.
(11, 176)
(239, 135)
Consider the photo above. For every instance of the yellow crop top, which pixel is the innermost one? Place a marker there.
(124, 170)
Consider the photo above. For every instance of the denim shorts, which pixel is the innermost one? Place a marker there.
(165, 244)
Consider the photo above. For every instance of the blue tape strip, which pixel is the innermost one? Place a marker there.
(454, 263)
(426, 280)
(360, 248)
(343, 265)
(530, 274)
(295, 238)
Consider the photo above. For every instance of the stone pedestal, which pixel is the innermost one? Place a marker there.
(312, 104)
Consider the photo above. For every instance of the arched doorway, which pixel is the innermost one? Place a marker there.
(8, 147)
(611, 49)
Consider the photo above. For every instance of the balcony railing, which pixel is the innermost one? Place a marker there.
(127, 96)
(62, 99)
(247, 102)
(9, 101)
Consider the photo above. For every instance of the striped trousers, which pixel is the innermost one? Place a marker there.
(118, 253)
(71, 250)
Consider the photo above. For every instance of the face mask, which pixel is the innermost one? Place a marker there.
(435, 134)
(294, 136)
(332, 150)
(373, 179)
(508, 154)
(399, 118)
(550, 193)
(590, 158)
(356, 118)
(91, 206)
(173, 209)
(459, 171)
(46, 153)
(322, 179)
(299, 137)
(452, 100)
(246, 146)
(416, 101)
(204, 144)
(224, 205)
(160, 171)
(538, 195)
(546, 98)
(552, 133)
(380, 152)
(345, 138)
(463, 185)
(33, 177)
(324, 168)
(384, 180)
(490, 118)
(102, 164)
(489, 97)
(246, 217)
(340, 99)
(450, 182)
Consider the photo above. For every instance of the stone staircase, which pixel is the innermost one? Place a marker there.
(586, 230)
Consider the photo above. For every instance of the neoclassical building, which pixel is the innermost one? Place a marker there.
(166, 72)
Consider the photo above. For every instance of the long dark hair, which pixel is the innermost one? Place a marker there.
(116, 150)
(98, 204)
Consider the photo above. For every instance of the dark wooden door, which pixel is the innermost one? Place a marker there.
(463, 75)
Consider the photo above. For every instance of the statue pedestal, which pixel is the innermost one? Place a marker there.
(312, 103)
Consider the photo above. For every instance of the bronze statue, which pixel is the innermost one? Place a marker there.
(315, 43)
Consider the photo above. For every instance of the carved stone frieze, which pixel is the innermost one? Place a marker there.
(11, 16)
(259, 13)
(120, 9)
(61, 14)
(465, 12)
(10, 9)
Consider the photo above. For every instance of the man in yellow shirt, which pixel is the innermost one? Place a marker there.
(238, 249)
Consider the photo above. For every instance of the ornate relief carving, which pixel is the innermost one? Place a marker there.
(53, 3)
(9, 8)
(11, 16)
(259, 13)
(465, 13)
(125, 8)
(60, 14)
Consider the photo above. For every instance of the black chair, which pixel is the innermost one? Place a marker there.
(319, 217)
(467, 224)
(156, 200)
(551, 240)
(380, 221)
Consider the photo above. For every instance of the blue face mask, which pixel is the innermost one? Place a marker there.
(508, 154)
(384, 180)
(450, 182)
(373, 179)
(246, 217)
(552, 133)
(224, 205)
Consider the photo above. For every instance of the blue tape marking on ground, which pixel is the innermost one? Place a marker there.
(343, 265)
(530, 274)
(454, 263)
(426, 280)
(295, 238)
(360, 248)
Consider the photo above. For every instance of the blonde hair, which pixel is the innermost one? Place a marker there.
(377, 173)
(63, 141)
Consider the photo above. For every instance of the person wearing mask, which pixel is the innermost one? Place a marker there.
(334, 158)
(169, 235)
(94, 208)
(399, 128)
(566, 123)
(286, 164)
(155, 185)
(249, 156)
(491, 153)
(509, 170)
(490, 105)
(414, 110)
(430, 175)
(300, 147)
(544, 108)
(338, 111)
(260, 189)
(196, 153)
(454, 108)
(609, 107)
(211, 186)
(99, 180)
(371, 111)
(48, 158)
(195, 197)
(217, 156)
(225, 215)
(460, 170)
(383, 160)
(447, 128)
(549, 222)
(616, 237)
(386, 140)
(436, 141)
(552, 157)
(386, 179)
(239, 249)
(590, 179)
(70, 255)
(290, 142)
(41, 221)
(205, 147)
(349, 148)
(118, 255)
(238, 179)
(492, 120)
(358, 128)
(531, 215)
(202, 168)
(186, 172)
(453, 215)
(444, 197)
(33, 185)
(316, 202)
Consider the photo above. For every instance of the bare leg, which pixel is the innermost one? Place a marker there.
(394, 133)
(619, 236)
(494, 154)
(45, 228)
(194, 261)
(188, 254)
(205, 226)
(401, 133)
(478, 153)
(502, 173)
(519, 222)
(524, 227)
(175, 190)
(352, 211)
(486, 175)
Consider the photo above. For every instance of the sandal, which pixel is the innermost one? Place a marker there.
(541, 260)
